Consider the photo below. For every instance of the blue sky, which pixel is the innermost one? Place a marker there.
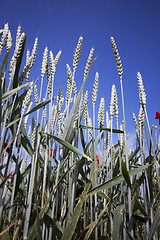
(59, 23)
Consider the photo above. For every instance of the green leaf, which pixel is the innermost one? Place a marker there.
(155, 224)
(69, 121)
(38, 106)
(82, 139)
(33, 230)
(25, 141)
(139, 218)
(139, 206)
(72, 223)
(7, 95)
(127, 179)
(117, 222)
(101, 129)
(56, 230)
(5, 59)
(101, 194)
(13, 122)
(132, 155)
(125, 173)
(18, 64)
(69, 146)
(42, 104)
(18, 102)
(116, 180)
(93, 223)
(92, 154)
(26, 172)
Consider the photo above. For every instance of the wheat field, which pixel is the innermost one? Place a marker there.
(62, 174)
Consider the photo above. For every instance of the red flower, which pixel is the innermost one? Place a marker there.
(53, 152)
(97, 158)
(11, 175)
(158, 116)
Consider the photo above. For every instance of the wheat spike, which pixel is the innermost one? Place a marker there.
(112, 103)
(18, 47)
(49, 81)
(95, 89)
(9, 40)
(18, 34)
(44, 62)
(136, 125)
(29, 62)
(69, 83)
(85, 106)
(142, 95)
(77, 54)
(121, 137)
(88, 64)
(52, 63)
(101, 113)
(141, 116)
(117, 57)
(27, 117)
(4, 37)
(116, 103)
(33, 132)
(27, 98)
(57, 58)
(36, 94)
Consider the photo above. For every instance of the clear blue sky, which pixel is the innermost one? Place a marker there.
(58, 24)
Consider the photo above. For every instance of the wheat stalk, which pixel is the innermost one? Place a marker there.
(120, 72)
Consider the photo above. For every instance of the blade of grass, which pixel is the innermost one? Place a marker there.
(117, 222)
(117, 180)
(103, 129)
(69, 146)
(7, 95)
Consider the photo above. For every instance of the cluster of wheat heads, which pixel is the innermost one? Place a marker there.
(61, 174)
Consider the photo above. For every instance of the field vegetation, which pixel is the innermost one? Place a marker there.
(62, 175)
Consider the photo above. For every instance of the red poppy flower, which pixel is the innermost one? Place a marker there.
(97, 158)
(53, 152)
(158, 116)
(11, 175)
